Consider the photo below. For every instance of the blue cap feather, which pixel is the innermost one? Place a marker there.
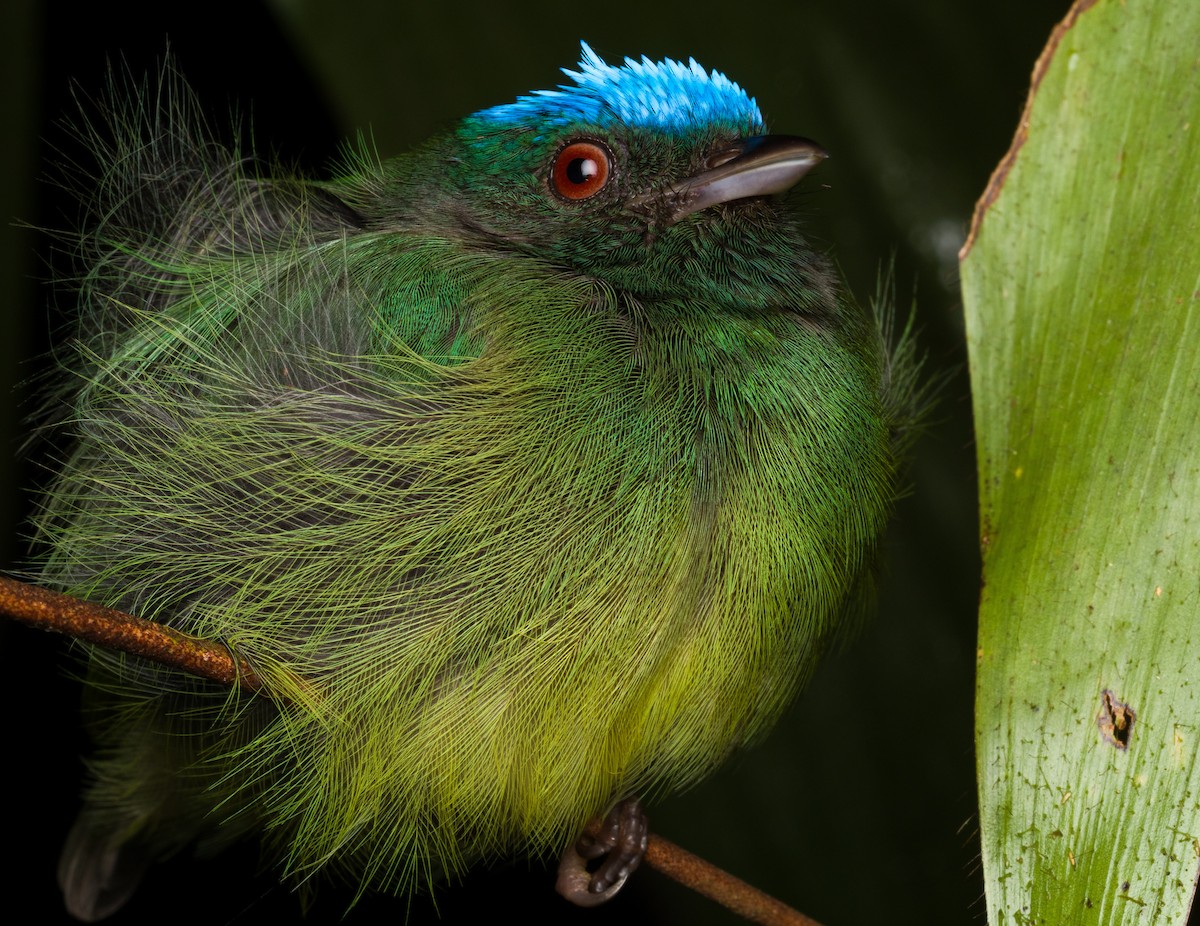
(665, 95)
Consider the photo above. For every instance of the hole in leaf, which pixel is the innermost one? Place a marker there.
(1115, 720)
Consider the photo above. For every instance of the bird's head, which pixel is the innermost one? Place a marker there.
(657, 177)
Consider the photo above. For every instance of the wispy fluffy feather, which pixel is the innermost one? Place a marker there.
(511, 522)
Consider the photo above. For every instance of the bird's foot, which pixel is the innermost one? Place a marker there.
(618, 842)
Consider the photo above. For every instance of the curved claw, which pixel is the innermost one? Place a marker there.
(621, 840)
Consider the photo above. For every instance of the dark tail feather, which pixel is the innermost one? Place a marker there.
(99, 869)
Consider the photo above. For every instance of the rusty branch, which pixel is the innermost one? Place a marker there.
(48, 610)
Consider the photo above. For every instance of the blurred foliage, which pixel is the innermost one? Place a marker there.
(860, 809)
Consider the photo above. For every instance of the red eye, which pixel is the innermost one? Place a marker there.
(581, 170)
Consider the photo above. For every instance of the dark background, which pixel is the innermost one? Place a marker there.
(860, 809)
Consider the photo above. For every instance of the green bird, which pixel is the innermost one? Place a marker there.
(532, 471)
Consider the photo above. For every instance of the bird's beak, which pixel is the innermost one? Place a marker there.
(756, 166)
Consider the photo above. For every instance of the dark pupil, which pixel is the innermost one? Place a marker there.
(581, 170)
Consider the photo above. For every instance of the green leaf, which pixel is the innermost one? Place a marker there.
(1081, 284)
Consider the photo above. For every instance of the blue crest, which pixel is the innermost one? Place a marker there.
(664, 95)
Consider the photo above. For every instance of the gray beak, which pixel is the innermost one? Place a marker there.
(757, 166)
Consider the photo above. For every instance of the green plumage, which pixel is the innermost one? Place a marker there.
(520, 505)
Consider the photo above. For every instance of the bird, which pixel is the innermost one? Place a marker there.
(532, 470)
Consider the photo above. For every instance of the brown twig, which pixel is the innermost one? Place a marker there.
(716, 884)
(116, 630)
(53, 611)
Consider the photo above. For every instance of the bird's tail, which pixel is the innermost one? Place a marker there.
(100, 867)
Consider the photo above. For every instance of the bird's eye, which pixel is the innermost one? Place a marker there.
(581, 170)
